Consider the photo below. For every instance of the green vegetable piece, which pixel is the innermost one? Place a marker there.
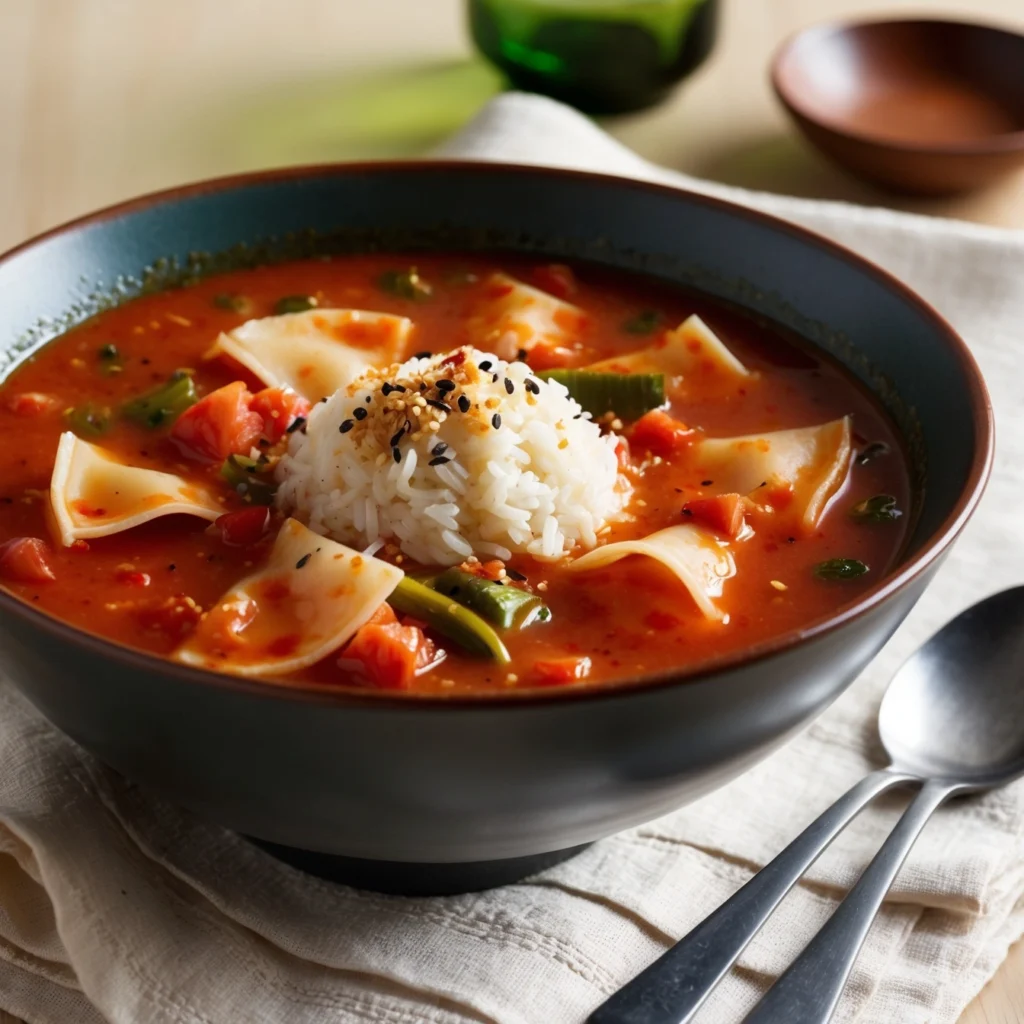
(110, 360)
(249, 479)
(449, 617)
(294, 304)
(879, 509)
(503, 606)
(232, 303)
(840, 569)
(628, 395)
(646, 322)
(872, 452)
(164, 405)
(89, 420)
(406, 284)
(109, 352)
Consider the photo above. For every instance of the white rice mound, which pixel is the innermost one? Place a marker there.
(543, 482)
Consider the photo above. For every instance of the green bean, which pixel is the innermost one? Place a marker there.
(628, 395)
(504, 606)
(88, 420)
(406, 284)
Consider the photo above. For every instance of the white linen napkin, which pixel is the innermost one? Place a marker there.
(115, 906)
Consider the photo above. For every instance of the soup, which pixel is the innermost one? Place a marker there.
(440, 474)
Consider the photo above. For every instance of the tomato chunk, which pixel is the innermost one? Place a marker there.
(219, 425)
(31, 403)
(659, 433)
(26, 560)
(556, 279)
(245, 527)
(559, 671)
(723, 513)
(391, 654)
(279, 408)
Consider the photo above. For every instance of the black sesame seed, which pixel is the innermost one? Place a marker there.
(496, 420)
(396, 454)
(423, 355)
(706, 483)
(296, 424)
(399, 387)
(398, 434)
(532, 386)
(360, 413)
(791, 540)
(445, 385)
(509, 386)
(346, 426)
(303, 560)
(514, 574)
(521, 355)
(369, 398)
(423, 386)
(171, 567)
(439, 461)
(439, 449)
(463, 403)
(578, 416)
(386, 388)
(485, 365)
(433, 402)
(494, 378)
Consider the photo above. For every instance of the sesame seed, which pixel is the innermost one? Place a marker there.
(439, 461)
(485, 365)
(509, 386)
(521, 355)
(463, 403)
(434, 404)
(360, 413)
(445, 385)
(369, 398)
(439, 449)
(706, 483)
(433, 425)
(303, 560)
(396, 454)
(386, 388)
(494, 378)
(779, 585)
(423, 355)
(514, 574)
(346, 426)
(397, 436)
(532, 386)
(496, 420)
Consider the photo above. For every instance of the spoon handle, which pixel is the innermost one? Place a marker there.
(808, 991)
(672, 989)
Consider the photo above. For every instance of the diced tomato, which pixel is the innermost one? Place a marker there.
(31, 403)
(391, 654)
(219, 425)
(546, 356)
(659, 433)
(559, 671)
(723, 513)
(556, 279)
(622, 452)
(26, 560)
(383, 615)
(133, 578)
(279, 407)
(245, 527)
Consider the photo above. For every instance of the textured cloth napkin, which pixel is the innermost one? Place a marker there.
(117, 907)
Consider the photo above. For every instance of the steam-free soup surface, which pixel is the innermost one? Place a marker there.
(155, 585)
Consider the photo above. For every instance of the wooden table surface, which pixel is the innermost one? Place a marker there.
(103, 99)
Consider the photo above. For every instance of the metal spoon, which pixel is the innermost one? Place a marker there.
(952, 719)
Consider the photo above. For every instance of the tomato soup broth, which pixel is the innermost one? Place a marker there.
(150, 586)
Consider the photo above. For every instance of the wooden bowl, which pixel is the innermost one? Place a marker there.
(927, 107)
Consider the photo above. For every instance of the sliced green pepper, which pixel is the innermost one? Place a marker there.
(88, 420)
(294, 304)
(503, 606)
(448, 617)
(165, 404)
(628, 395)
(406, 284)
(248, 479)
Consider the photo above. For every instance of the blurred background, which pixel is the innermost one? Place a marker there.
(102, 99)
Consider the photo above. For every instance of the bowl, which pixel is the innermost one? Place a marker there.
(926, 107)
(431, 794)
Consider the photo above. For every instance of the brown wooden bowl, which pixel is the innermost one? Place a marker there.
(925, 106)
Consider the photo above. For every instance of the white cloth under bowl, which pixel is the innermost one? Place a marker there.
(115, 906)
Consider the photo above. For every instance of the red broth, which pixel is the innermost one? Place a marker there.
(146, 586)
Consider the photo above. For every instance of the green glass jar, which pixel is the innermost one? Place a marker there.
(601, 56)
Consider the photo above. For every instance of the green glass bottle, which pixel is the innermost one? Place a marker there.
(600, 56)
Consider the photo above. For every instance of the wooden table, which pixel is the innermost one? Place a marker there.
(103, 99)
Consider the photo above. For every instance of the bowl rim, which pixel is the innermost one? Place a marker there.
(991, 145)
(703, 674)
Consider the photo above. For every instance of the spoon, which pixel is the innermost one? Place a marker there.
(951, 720)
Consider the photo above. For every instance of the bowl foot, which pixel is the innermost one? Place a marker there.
(410, 878)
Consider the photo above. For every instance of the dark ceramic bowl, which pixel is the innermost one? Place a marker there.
(468, 792)
(926, 107)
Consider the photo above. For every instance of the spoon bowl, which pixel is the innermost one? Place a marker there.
(955, 710)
